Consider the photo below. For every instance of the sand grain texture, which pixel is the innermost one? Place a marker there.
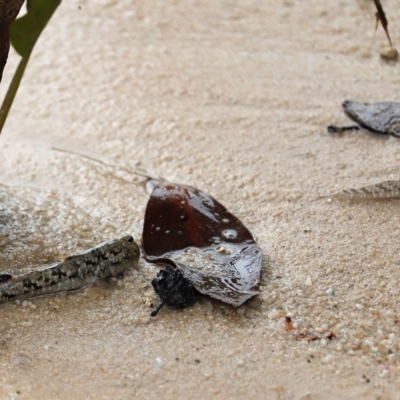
(233, 98)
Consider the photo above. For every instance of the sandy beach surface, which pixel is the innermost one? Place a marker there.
(232, 97)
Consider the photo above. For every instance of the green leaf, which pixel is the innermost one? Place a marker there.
(26, 30)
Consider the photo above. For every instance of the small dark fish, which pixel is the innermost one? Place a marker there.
(382, 117)
(189, 230)
(76, 272)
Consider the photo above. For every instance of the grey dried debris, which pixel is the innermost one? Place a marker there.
(378, 191)
(381, 117)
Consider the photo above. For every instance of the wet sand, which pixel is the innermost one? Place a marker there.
(234, 99)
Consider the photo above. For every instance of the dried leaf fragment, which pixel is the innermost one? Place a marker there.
(331, 335)
(289, 324)
(381, 17)
(304, 335)
(380, 117)
(379, 191)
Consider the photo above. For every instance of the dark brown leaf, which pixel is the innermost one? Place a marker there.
(9, 10)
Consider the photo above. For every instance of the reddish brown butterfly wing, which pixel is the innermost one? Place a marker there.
(192, 231)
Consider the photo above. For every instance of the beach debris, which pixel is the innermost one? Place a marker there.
(331, 335)
(390, 54)
(300, 334)
(197, 236)
(173, 289)
(381, 117)
(381, 18)
(306, 335)
(330, 292)
(378, 191)
(289, 324)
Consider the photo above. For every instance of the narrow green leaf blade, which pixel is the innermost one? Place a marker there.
(26, 30)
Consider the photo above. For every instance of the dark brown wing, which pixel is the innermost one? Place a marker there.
(9, 10)
(190, 230)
